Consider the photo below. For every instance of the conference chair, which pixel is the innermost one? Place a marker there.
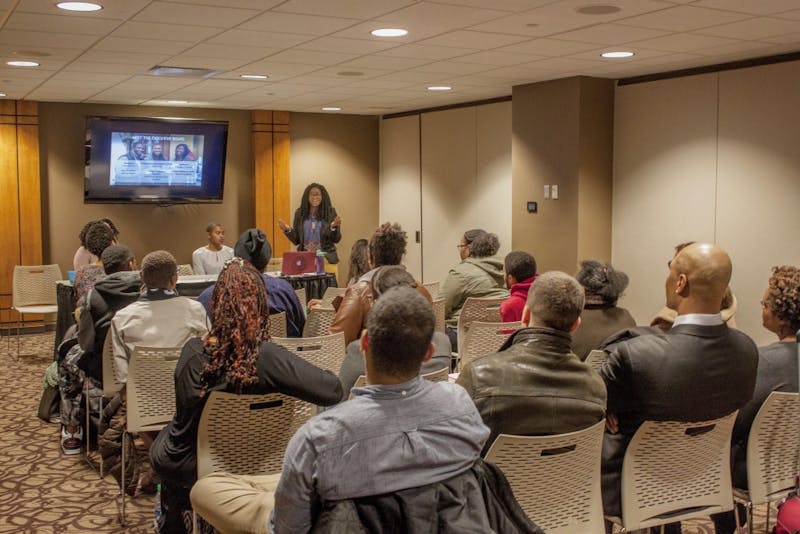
(111, 386)
(330, 294)
(243, 435)
(440, 375)
(301, 296)
(773, 449)
(674, 471)
(318, 322)
(185, 269)
(477, 309)
(150, 397)
(556, 479)
(34, 291)
(438, 311)
(596, 359)
(484, 338)
(277, 325)
(326, 352)
(433, 289)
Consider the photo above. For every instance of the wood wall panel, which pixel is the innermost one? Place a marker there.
(271, 189)
(9, 214)
(30, 203)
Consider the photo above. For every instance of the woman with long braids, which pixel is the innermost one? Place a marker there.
(235, 356)
(316, 225)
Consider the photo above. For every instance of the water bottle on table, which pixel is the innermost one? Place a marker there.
(320, 262)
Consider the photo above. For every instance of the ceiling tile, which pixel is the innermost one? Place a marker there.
(375, 61)
(50, 53)
(548, 47)
(431, 52)
(291, 23)
(244, 4)
(244, 54)
(83, 66)
(567, 9)
(216, 17)
(266, 39)
(734, 48)
(683, 18)
(31, 40)
(165, 32)
(141, 46)
(193, 61)
(60, 24)
(682, 42)
(348, 46)
(788, 38)
(758, 7)
(364, 9)
(473, 39)
(757, 28)
(610, 34)
(533, 24)
(498, 58)
(112, 9)
(504, 5)
(125, 56)
(452, 67)
(308, 57)
(76, 76)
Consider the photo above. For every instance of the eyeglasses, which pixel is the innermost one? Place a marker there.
(459, 246)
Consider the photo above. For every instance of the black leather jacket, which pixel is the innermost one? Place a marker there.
(535, 386)
(478, 501)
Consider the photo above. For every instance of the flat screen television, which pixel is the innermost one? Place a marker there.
(161, 161)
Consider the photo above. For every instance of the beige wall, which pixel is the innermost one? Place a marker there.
(456, 177)
(179, 229)
(341, 153)
(708, 158)
(561, 133)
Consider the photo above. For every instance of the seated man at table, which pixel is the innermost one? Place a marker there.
(119, 288)
(253, 246)
(399, 432)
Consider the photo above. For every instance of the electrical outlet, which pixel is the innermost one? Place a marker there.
(547, 192)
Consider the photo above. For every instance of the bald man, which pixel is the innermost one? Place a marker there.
(697, 370)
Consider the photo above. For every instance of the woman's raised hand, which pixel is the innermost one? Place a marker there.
(336, 222)
(283, 225)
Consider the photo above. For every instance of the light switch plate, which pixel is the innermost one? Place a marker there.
(554, 191)
(547, 192)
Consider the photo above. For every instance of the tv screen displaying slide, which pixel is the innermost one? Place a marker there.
(154, 160)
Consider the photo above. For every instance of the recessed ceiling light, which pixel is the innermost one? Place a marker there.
(253, 76)
(389, 32)
(616, 54)
(177, 101)
(439, 88)
(598, 9)
(79, 6)
(22, 63)
(331, 108)
(2, 95)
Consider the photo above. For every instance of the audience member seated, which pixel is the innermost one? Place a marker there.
(385, 278)
(359, 261)
(82, 255)
(699, 369)
(399, 432)
(479, 274)
(387, 246)
(254, 247)
(536, 385)
(210, 258)
(99, 237)
(777, 370)
(601, 316)
(159, 318)
(519, 272)
(235, 356)
(119, 288)
(663, 320)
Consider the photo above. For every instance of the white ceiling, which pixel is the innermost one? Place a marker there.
(480, 48)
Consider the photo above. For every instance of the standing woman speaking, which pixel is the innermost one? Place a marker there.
(316, 225)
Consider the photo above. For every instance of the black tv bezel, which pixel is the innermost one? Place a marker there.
(156, 200)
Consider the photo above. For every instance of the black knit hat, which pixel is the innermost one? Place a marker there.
(253, 246)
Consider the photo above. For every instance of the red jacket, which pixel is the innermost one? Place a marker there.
(511, 308)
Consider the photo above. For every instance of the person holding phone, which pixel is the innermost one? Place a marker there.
(316, 225)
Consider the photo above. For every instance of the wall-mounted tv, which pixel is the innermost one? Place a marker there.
(162, 161)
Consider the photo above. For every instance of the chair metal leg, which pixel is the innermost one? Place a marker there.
(122, 477)
(749, 508)
(766, 528)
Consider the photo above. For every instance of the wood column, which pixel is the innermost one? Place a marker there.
(271, 176)
(20, 195)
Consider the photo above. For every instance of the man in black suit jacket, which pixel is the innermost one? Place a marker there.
(699, 369)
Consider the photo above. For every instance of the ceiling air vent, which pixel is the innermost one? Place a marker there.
(181, 72)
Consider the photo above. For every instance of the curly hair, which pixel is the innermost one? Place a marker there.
(601, 280)
(387, 245)
(482, 244)
(520, 265)
(98, 238)
(359, 259)
(324, 211)
(108, 222)
(783, 295)
(241, 324)
(158, 268)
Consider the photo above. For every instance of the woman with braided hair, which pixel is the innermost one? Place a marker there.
(236, 356)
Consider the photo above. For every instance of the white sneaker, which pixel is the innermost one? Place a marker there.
(71, 443)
